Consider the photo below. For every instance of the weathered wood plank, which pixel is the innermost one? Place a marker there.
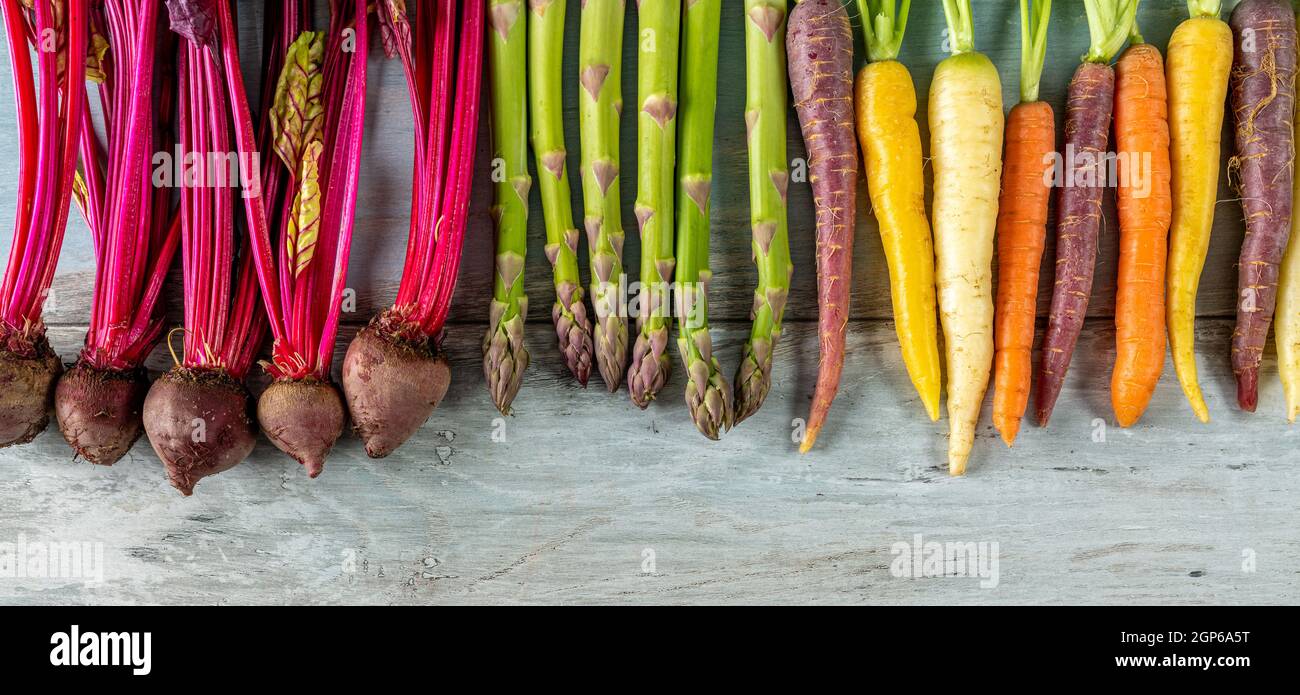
(582, 484)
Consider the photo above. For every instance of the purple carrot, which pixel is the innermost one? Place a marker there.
(1078, 223)
(1263, 107)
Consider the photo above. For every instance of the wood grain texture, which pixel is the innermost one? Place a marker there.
(565, 507)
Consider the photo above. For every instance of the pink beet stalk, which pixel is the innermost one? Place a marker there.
(128, 209)
(394, 373)
(311, 132)
(49, 132)
(199, 415)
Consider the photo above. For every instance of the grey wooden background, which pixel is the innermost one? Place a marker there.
(580, 497)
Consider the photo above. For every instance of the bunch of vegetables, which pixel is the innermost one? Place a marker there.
(708, 396)
(49, 133)
(1199, 62)
(600, 73)
(394, 373)
(769, 180)
(1022, 225)
(1263, 107)
(819, 44)
(545, 82)
(504, 355)
(891, 152)
(316, 123)
(199, 414)
(1142, 147)
(129, 210)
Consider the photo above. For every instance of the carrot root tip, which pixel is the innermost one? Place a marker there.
(1248, 389)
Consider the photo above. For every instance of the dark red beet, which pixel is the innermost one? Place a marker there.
(99, 411)
(303, 418)
(26, 393)
(200, 423)
(391, 387)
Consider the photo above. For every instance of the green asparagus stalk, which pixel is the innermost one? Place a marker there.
(657, 56)
(707, 393)
(504, 355)
(765, 114)
(600, 61)
(545, 67)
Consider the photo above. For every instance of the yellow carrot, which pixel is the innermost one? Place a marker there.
(966, 125)
(1199, 60)
(1286, 326)
(891, 148)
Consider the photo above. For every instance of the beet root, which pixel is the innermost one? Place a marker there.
(303, 418)
(26, 393)
(391, 388)
(99, 411)
(200, 423)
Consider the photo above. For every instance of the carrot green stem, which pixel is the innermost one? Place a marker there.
(1204, 8)
(961, 30)
(883, 24)
(1110, 22)
(1034, 17)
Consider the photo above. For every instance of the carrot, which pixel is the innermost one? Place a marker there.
(1287, 331)
(891, 150)
(1196, 73)
(819, 43)
(1022, 226)
(1263, 104)
(1078, 226)
(966, 124)
(1142, 147)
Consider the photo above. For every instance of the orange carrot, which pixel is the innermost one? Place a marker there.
(1022, 228)
(1145, 210)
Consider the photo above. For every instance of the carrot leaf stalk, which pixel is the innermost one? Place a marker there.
(891, 151)
(1263, 104)
(819, 43)
(504, 356)
(765, 114)
(1090, 106)
(1199, 61)
(708, 395)
(657, 62)
(1022, 226)
(600, 73)
(966, 129)
(545, 62)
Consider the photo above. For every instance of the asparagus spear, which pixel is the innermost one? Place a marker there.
(545, 63)
(765, 114)
(504, 355)
(707, 393)
(600, 52)
(659, 32)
